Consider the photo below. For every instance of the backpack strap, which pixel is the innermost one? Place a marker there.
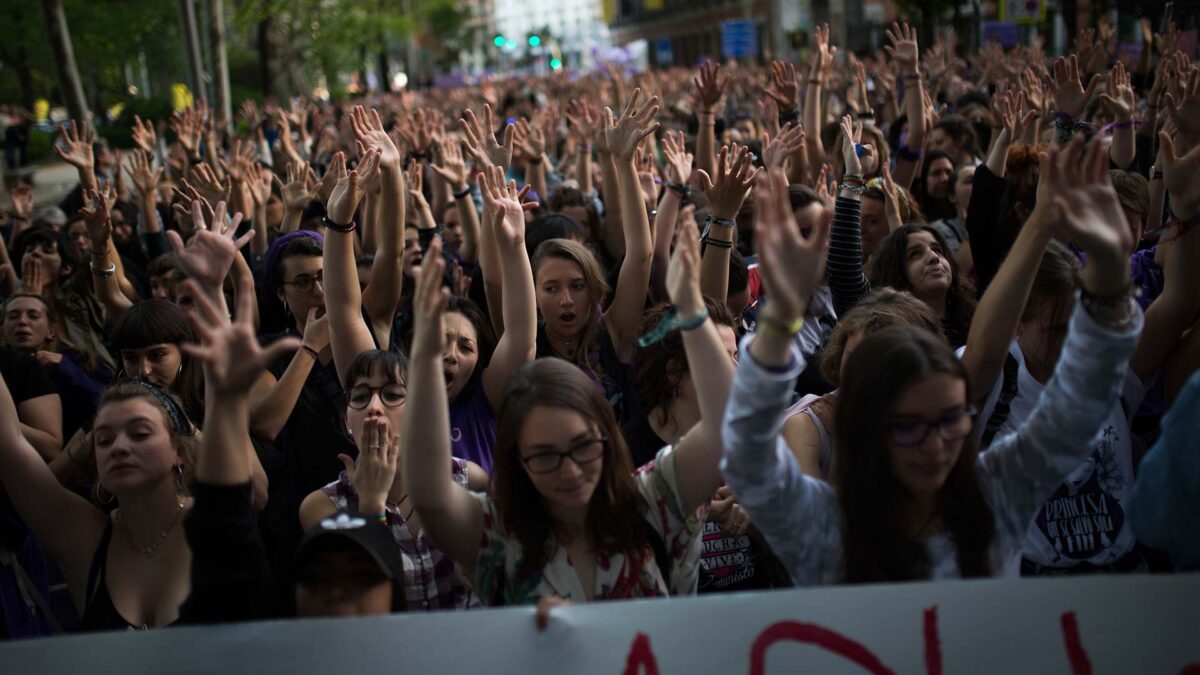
(1008, 392)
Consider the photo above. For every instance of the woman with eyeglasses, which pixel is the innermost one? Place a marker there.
(566, 517)
(916, 499)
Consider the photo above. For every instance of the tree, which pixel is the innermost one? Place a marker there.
(64, 59)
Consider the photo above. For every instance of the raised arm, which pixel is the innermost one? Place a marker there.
(1070, 97)
(678, 170)
(1121, 103)
(382, 295)
(518, 344)
(699, 452)
(847, 281)
(726, 191)
(903, 49)
(1174, 311)
(532, 142)
(710, 96)
(1012, 128)
(1026, 466)
(348, 333)
(64, 523)
(451, 168)
(104, 270)
(582, 120)
(454, 518)
(812, 94)
(1001, 307)
(757, 464)
(623, 136)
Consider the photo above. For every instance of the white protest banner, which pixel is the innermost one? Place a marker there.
(1128, 624)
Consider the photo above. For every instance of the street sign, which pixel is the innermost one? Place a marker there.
(664, 53)
(739, 39)
(1023, 11)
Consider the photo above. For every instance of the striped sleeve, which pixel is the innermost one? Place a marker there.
(845, 263)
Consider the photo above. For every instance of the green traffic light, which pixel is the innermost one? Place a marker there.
(498, 41)
(534, 40)
(556, 63)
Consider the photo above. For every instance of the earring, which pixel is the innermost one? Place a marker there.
(100, 492)
(179, 478)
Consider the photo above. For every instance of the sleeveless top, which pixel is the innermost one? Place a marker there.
(431, 579)
(99, 613)
(807, 406)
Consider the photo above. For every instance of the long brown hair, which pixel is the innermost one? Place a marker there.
(877, 544)
(882, 308)
(889, 267)
(659, 368)
(615, 514)
(593, 278)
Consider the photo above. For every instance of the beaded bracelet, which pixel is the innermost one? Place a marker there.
(852, 178)
(681, 189)
(338, 227)
(381, 518)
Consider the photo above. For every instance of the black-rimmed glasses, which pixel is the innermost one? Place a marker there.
(952, 427)
(304, 282)
(583, 452)
(391, 395)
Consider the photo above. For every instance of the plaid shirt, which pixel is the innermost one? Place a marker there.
(431, 580)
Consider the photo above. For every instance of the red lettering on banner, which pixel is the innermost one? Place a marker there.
(811, 633)
(1080, 663)
(933, 644)
(641, 655)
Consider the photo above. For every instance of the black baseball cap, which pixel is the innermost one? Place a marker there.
(371, 536)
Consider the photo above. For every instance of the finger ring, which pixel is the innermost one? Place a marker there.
(372, 447)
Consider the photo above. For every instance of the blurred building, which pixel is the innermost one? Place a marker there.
(480, 27)
(569, 30)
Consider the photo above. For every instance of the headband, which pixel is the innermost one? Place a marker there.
(179, 418)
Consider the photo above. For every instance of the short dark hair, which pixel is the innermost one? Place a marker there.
(45, 234)
(659, 368)
(300, 247)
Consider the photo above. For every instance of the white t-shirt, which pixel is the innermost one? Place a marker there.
(1086, 518)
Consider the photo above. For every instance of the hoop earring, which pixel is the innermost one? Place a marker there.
(100, 492)
(179, 478)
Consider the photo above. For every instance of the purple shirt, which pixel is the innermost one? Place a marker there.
(473, 427)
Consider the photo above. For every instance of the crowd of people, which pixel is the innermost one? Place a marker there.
(942, 311)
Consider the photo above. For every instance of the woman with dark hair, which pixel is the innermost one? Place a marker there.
(566, 517)
(935, 187)
(128, 568)
(955, 136)
(916, 258)
(149, 337)
(915, 499)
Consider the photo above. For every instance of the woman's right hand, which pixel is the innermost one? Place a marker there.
(375, 469)
(1092, 216)
(683, 274)
(429, 304)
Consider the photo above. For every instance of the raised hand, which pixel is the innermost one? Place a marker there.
(1185, 108)
(777, 151)
(1120, 101)
(21, 198)
(188, 126)
(450, 165)
(210, 253)
(623, 136)
(504, 202)
(415, 177)
(144, 179)
(792, 265)
(530, 140)
(298, 191)
(419, 132)
(97, 219)
(903, 49)
(343, 201)
(710, 86)
(373, 471)
(206, 182)
(429, 304)
(825, 53)
(1179, 175)
(1009, 107)
(735, 175)
(75, 147)
(368, 129)
(1035, 93)
(230, 352)
(144, 135)
(260, 183)
(584, 120)
(679, 161)
(33, 275)
(781, 85)
(851, 134)
(1091, 214)
(482, 145)
(1070, 97)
